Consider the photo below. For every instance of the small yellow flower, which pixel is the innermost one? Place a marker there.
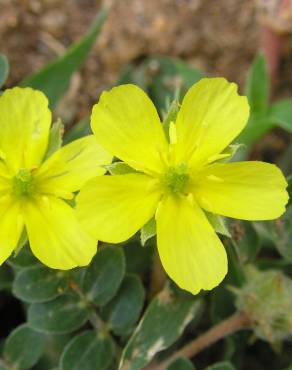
(178, 181)
(32, 189)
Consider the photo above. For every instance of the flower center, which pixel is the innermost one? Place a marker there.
(176, 178)
(23, 183)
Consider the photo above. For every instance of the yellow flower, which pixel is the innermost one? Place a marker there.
(32, 189)
(178, 181)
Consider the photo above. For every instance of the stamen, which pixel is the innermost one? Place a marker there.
(23, 183)
(176, 178)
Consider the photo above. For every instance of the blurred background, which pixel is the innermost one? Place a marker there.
(217, 37)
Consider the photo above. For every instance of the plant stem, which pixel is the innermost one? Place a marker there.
(232, 324)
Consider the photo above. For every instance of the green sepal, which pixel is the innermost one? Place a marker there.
(55, 138)
(148, 231)
(170, 117)
(218, 224)
(119, 168)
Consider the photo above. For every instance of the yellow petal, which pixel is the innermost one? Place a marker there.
(5, 178)
(55, 236)
(211, 116)
(190, 251)
(71, 166)
(244, 190)
(113, 208)
(126, 123)
(11, 226)
(24, 124)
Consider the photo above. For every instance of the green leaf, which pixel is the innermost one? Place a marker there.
(23, 347)
(55, 77)
(39, 284)
(170, 75)
(63, 315)
(104, 275)
(138, 259)
(289, 189)
(6, 277)
(281, 113)
(258, 86)
(257, 91)
(79, 130)
(181, 363)
(119, 168)
(55, 138)
(162, 324)
(256, 127)
(148, 231)
(24, 258)
(4, 69)
(235, 274)
(170, 117)
(124, 310)
(54, 347)
(88, 351)
(245, 239)
(224, 365)
(222, 303)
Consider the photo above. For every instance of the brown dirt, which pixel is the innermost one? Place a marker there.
(219, 38)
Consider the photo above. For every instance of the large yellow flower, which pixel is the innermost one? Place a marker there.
(178, 181)
(32, 189)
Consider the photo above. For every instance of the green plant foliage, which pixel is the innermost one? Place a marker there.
(23, 347)
(181, 364)
(124, 310)
(170, 76)
(6, 277)
(281, 112)
(119, 168)
(4, 69)
(263, 115)
(245, 240)
(224, 365)
(218, 223)
(55, 77)
(88, 351)
(55, 138)
(163, 322)
(39, 284)
(279, 233)
(60, 316)
(24, 258)
(148, 231)
(164, 78)
(104, 276)
(266, 298)
(258, 86)
(80, 129)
